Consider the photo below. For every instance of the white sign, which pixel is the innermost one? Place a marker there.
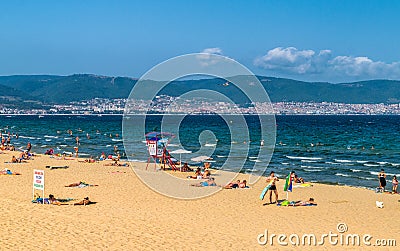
(152, 145)
(38, 179)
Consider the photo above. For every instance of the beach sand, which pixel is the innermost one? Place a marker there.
(130, 216)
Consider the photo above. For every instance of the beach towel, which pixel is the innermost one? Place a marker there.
(46, 200)
(303, 185)
(287, 203)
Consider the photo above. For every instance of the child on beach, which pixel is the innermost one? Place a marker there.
(395, 183)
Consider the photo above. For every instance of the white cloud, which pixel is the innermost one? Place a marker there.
(301, 62)
(206, 57)
(214, 50)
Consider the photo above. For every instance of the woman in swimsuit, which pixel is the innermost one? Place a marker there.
(306, 203)
(382, 179)
(395, 183)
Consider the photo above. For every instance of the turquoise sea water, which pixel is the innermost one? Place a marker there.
(347, 150)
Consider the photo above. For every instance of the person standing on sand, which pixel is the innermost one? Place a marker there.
(272, 178)
(76, 151)
(382, 179)
(395, 183)
(29, 147)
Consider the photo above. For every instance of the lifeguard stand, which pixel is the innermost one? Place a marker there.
(157, 147)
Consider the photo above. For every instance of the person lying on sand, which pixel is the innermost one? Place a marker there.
(210, 182)
(6, 171)
(84, 202)
(79, 184)
(115, 163)
(89, 160)
(237, 184)
(231, 185)
(53, 200)
(309, 202)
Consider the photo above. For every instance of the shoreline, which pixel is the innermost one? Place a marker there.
(196, 114)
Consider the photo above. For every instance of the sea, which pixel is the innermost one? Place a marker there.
(343, 150)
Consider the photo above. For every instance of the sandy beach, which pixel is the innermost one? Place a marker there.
(130, 216)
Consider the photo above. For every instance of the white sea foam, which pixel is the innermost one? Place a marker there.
(370, 165)
(356, 170)
(342, 174)
(50, 136)
(117, 140)
(343, 160)
(208, 145)
(362, 161)
(255, 160)
(251, 170)
(312, 170)
(332, 163)
(387, 174)
(308, 161)
(27, 137)
(312, 167)
(303, 158)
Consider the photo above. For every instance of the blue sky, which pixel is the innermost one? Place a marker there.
(307, 40)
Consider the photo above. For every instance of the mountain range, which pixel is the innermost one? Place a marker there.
(34, 90)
